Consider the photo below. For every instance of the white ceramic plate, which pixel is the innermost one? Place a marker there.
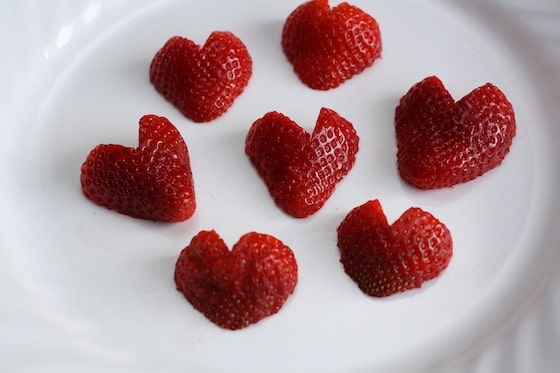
(86, 289)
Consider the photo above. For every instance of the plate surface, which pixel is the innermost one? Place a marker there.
(87, 289)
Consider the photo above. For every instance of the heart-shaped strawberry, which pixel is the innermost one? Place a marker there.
(385, 259)
(441, 143)
(327, 46)
(236, 288)
(202, 82)
(299, 169)
(153, 181)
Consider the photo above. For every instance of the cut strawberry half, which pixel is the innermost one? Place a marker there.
(441, 143)
(152, 181)
(236, 288)
(386, 259)
(328, 46)
(301, 170)
(202, 82)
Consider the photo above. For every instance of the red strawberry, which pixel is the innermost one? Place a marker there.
(153, 181)
(385, 259)
(299, 169)
(441, 143)
(236, 288)
(328, 46)
(202, 82)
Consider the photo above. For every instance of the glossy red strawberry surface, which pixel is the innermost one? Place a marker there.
(441, 143)
(301, 170)
(327, 46)
(386, 259)
(202, 82)
(236, 288)
(152, 181)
